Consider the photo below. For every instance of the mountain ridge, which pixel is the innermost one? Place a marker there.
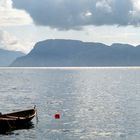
(7, 57)
(71, 53)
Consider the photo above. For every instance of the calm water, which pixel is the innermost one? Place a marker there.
(95, 104)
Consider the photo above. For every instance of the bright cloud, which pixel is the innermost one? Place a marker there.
(10, 42)
(135, 12)
(88, 14)
(136, 5)
(10, 16)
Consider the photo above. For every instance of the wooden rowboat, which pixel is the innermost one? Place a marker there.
(16, 119)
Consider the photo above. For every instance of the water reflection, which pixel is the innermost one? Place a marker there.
(26, 126)
(94, 104)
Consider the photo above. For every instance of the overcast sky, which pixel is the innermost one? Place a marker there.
(24, 22)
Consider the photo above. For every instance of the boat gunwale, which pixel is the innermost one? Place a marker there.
(12, 116)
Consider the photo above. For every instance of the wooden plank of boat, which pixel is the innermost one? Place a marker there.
(16, 119)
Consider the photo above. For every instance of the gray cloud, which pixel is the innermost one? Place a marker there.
(70, 14)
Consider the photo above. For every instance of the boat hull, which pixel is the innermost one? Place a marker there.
(16, 120)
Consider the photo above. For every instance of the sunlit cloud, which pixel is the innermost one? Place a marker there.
(136, 5)
(135, 12)
(10, 16)
(10, 42)
(88, 14)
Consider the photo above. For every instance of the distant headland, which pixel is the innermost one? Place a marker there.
(74, 53)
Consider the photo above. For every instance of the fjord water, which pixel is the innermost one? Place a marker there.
(94, 103)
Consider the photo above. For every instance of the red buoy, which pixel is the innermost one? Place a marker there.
(57, 116)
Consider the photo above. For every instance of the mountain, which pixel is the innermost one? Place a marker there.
(7, 57)
(73, 53)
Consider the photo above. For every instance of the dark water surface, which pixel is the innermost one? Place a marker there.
(95, 104)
